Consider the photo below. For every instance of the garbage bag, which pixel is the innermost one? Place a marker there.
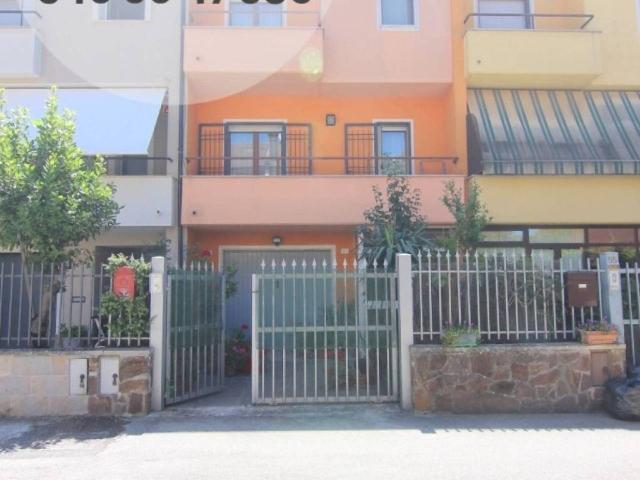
(622, 397)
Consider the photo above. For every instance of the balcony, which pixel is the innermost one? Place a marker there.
(314, 166)
(292, 46)
(549, 51)
(318, 200)
(20, 48)
(148, 197)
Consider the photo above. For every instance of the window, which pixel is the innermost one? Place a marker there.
(255, 149)
(397, 13)
(556, 235)
(122, 10)
(394, 148)
(492, 8)
(11, 14)
(501, 236)
(260, 14)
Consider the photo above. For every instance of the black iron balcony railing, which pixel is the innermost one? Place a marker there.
(305, 166)
(135, 165)
(560, 167)
(17, 18)
(531, 21)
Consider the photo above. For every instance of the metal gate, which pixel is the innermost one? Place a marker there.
(630, 275)
(194, 365)
(323, 334)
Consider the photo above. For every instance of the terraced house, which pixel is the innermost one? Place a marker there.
(118, 69)
(554, 122)
(289, 130)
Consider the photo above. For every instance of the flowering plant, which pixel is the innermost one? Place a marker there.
(598, 326)
(238, 352)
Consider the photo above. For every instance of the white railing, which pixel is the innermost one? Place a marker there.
(508, 297)
(324, 333)
(630, 275)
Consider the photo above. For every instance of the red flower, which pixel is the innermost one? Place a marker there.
(207, 253)
(244, 327)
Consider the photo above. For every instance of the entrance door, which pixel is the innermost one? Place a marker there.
(248, 263)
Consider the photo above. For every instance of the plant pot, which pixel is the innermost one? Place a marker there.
(246, 368)
(467, 340)
(598, 338)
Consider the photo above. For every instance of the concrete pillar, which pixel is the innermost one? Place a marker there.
(405, 323)
(610, 282)
(158, 314)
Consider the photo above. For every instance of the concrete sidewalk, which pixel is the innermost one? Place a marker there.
(355, 442)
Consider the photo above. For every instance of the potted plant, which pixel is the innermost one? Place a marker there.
(73, 337)
(598, 333)
(460, 336)
(238, 353)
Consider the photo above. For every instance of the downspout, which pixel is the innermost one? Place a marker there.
(181, 132)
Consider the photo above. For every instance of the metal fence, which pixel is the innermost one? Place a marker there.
(49, 305)
(324, 334)
(630, 275)
(508, 297)
(195, 332)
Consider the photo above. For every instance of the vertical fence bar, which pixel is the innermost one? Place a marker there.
(255, 338)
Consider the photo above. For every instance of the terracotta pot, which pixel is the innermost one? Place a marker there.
(246, 368)
(598, 338)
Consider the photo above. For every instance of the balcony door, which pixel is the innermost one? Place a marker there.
(260, 14)
(493, 8)
(394, 148)
(378, 148)
(255, 149)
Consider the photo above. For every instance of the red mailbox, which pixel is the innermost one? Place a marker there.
(124, 282)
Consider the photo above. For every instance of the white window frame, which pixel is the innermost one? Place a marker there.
(401, 122)
(416, 19)
(99, 13)
(227, 16)
(532, 10)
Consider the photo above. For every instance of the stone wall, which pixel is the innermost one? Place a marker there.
(513, 378)
(37, 382)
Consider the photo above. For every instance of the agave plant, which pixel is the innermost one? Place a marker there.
(394, 224)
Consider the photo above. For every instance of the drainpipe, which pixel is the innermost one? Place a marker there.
(181, 132)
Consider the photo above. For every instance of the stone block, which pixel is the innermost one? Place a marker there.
(135, 386)
(6, 364)
(503, 387)
(14, 385)
(76, 405)
(421, 401)
(131, 367)
(100, 405)
(520, 372)
(49, 385)
(139, 404)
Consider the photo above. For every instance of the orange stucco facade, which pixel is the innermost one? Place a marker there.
(329, 57)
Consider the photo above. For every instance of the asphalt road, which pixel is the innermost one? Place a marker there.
(362, 443)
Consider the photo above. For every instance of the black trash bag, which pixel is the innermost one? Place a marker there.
(622, 397)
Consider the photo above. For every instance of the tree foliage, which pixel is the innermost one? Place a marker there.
(470, 214)
(394, 224)
(51, 198)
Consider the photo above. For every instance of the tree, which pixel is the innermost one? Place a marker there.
(394, 224)
(470, 214)
(51, 198)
